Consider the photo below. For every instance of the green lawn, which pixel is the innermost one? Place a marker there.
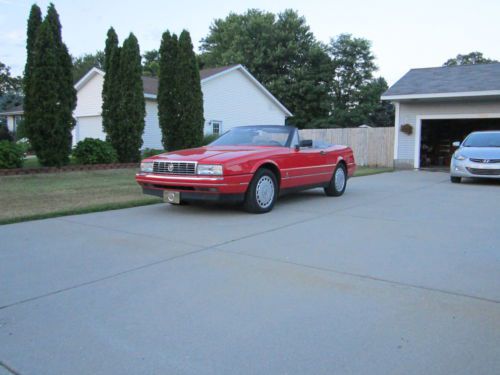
(55, 194)
(40, 196)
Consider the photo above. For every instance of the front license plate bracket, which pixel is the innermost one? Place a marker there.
(170, 196)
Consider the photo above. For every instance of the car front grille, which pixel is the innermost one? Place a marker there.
(486, 161)
(484, 172)
(174, 167)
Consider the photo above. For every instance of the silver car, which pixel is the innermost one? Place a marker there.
(478, 156)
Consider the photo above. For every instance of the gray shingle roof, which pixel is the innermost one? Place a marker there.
(448, 79)
(12, 110)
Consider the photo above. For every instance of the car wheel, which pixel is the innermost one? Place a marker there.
(455, 180)
(262, 192)
(338, 183)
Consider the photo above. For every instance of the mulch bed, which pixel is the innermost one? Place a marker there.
(67, 168)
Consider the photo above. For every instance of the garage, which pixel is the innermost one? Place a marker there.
(437, 137)
(436, 106)
(88, 127)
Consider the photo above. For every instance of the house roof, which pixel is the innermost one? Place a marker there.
(15, 110)
(447, 82)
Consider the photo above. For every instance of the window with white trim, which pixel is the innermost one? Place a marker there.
(216, 127)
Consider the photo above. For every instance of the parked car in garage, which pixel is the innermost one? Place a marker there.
(478, 156)
(248, 164)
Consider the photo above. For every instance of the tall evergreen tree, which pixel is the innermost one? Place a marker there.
(52, 97)
(111, 120)
(168, 96)
(48, 139)
(128, 140)
(190, 94)
(34, 22)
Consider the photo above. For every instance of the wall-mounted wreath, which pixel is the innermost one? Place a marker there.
(407, 129)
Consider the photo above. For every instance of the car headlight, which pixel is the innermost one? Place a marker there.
(147, 166)
(209, 169)
(459, 156)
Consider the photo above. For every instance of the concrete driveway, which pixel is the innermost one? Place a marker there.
(401, 275)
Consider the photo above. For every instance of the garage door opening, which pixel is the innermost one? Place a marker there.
(437, 137)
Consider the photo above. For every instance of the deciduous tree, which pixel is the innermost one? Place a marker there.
(82, 64)
(281, 52)
(355, 93)
(470, 58)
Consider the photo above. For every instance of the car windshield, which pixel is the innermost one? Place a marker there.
(483, 140)
(256, 136)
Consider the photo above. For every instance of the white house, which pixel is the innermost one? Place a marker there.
(231, 97)
(437, 106)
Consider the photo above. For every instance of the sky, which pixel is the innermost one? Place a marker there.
(404, 34)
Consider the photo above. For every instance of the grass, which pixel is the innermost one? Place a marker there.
(41, 196)
(32, 162)
(56, 194)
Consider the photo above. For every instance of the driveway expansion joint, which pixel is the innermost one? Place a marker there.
(365, 277)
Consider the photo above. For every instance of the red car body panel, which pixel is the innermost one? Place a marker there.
(297, 168)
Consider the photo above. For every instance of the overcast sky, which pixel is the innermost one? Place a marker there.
(404, 34)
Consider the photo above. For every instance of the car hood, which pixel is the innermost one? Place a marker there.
(480, 152)
(213, 154)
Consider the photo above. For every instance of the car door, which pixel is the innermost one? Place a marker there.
(307, 166)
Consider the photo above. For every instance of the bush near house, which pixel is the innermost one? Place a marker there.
(94, 151)
(11, 155)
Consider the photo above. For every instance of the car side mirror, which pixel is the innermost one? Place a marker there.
(456, 144)
(306, 143)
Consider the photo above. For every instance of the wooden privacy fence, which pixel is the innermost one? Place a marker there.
(372, 147)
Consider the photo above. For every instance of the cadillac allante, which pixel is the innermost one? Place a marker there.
(252, 165)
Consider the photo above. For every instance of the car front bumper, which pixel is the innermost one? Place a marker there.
(196, 188)
(469, 169)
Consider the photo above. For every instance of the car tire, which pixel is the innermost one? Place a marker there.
(338, 183)
(455, 179)
(262, 192)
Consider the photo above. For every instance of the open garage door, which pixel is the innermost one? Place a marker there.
(437, 136)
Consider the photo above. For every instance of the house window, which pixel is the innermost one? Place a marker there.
(216, 127)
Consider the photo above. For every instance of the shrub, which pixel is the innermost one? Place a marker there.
(5, 133)
(209, 138)
(11, 155)
(148, 152)
(24, 145)
(94, 151)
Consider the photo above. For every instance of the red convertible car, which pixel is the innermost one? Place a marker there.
(248, 164)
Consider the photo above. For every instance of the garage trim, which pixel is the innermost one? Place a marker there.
(418, 128)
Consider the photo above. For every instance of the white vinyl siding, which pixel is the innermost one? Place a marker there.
(152, 132)
(235, 100)
(88, 127)
(89, 99)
